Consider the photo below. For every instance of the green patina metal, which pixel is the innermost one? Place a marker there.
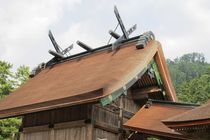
(123, 90)
(110, 98)
(156, 72)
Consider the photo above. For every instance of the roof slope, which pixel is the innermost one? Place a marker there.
(148, 120)
(85, 79)
(195, 116)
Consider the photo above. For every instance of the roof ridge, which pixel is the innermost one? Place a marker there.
(98, 49)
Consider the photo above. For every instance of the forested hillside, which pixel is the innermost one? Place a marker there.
(191, 77)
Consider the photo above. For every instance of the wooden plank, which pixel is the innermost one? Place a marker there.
(146, 90)
(36, 129)
(120, 120)
(67, 114)
(143, 93)
(105, 115)
(100, 134)
(127, 114)
(52, 134)
(128, 105)
(140, 96)
(90, 132)
(106, 127)
(42, 135)
(71, 124)
(165, 75)
(74, 133)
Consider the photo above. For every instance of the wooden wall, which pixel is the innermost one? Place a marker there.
(81, 122)
(43, 135)
(73, 113)
(100, 134)
(90, 121)
(130, 105)
(107, 121)
(74, 133)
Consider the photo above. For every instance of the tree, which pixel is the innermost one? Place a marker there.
(6, 76)
(187, 67)
(195, 91)
(190, 75)
(22, 75)
(9, 127)
(9, 81)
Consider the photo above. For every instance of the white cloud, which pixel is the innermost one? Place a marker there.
(181, 26)
(24, 28)
(193, 36)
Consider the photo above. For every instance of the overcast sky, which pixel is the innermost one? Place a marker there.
(182, 26)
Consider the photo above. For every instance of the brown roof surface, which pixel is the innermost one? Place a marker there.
(192, 116)
(148, 120)
(165, 75)
(81, 80)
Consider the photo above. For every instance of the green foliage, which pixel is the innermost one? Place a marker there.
(9, 81)
(187, 67)
(9, 127)
(190, 75)
(22, 75)
(196, 90)
(6, 82)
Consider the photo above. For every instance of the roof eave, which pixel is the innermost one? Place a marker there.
(92, 96)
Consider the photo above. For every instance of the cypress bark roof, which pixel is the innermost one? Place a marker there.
(148, 119)
(85, 79)
(195, 117)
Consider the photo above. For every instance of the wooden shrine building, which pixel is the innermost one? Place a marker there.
(90, 95)
(194, 123)
(147, 121)
(170, 120)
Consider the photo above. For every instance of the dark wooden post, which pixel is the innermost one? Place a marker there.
(120, 119)
(90, 127)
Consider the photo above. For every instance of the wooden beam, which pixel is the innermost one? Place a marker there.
(188, 124)
(165, 75)
(90, 126)
(71, 124)
(143, 92)
(147, 90)
(89, 131)
(106, 127)
(36, 129)
(127, 114)
(140, 96)
(56, 126)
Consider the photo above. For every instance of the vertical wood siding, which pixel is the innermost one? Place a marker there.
(77, 133)
(73, 113)
(44, 135)
(100, 134)
(104, 122)
(74, 133)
